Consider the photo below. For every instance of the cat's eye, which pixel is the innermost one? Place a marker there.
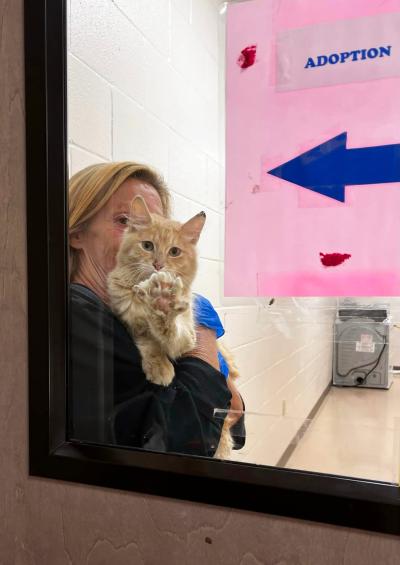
(148, 245)
(174, 251)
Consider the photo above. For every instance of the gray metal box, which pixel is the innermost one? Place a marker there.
(361, 347)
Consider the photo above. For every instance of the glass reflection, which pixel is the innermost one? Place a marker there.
(146, 119)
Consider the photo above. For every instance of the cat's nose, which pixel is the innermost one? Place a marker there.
(158, 266)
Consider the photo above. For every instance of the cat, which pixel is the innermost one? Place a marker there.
(150, 291)
(149, 288)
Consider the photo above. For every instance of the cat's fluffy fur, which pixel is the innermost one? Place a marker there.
(225, 445)
(150, 290)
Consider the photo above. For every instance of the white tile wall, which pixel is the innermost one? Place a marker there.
(185, 209)
(184, 7)
(191, 60)
(104, 38)
(208, 280)
(160, 88)
(137, 134)
(151, 18)
(205, 18)
(89, 109)
(187, 173)
(212, 187)
(144, 85)
(80, 159)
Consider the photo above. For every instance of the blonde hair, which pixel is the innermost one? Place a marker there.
(92, 187)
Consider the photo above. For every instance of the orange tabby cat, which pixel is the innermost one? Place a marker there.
(150, 290)
(150, 287)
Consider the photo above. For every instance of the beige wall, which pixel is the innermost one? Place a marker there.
(50, 523)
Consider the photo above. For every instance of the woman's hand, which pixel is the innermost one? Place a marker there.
(206, 347)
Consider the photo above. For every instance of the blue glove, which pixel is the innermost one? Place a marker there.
(205, 315)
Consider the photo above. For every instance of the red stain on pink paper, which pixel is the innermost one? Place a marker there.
(333, 259)
(247, 57)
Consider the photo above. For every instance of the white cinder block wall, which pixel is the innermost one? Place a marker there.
(144, 85)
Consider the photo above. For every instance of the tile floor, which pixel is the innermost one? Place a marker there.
(356, 433)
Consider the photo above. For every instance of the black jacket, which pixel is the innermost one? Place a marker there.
(111, 401)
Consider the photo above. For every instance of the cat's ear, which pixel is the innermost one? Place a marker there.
(192, 228)
(139, 216)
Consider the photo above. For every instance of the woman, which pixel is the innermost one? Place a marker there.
(110, 400)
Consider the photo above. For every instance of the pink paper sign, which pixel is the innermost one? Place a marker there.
(313, 148)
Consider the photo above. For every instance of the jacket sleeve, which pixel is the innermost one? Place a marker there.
(111, 401)
(91, 367)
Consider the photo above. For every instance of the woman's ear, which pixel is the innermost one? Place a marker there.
(192, 228)
(76, 239)
(139, 214)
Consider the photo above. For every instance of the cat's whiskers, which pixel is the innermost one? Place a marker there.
(140, 271)
(140, 265)
(182, 275)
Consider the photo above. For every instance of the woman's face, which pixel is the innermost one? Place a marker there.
(100, 240)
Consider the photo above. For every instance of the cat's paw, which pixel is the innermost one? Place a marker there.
(159, 371)
(166, 294)
(139, 291)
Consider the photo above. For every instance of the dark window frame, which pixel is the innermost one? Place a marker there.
(324, 498)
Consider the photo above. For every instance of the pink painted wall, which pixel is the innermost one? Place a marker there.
(276, 230)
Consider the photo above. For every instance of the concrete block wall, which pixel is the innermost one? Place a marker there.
(284, 352)
(144, 84)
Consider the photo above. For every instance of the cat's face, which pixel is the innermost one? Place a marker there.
(152, 243)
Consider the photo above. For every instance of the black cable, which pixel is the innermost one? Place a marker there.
(376, 361)
(362, 380)
(359, 366)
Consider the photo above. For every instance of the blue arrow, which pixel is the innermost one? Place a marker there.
(329, 167)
